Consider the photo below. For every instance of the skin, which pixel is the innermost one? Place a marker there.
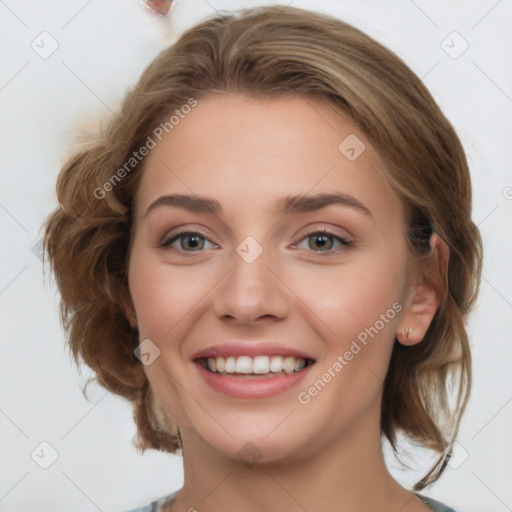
(246, 153)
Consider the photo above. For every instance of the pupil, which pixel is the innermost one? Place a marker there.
(195, 241)
(320, 240)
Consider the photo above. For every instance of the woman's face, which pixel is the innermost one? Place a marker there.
(322, 282)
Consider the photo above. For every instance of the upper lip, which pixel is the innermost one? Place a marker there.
(250, 348)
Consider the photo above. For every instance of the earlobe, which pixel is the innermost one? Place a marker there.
(423, 300)
(418, 315)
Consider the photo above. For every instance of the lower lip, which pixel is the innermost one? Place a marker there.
(240, 387)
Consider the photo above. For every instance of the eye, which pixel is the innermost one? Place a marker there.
(190, 241)
(322, 241)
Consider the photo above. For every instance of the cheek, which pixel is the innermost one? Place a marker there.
(346, 299)
(357, 316)
(162, 298)
(163, 295)
(356, 309)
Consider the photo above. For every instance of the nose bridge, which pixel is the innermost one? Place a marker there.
(250, 290)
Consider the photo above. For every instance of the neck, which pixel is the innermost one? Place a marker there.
(347, 472)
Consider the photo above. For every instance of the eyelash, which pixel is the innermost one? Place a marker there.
(173, 237)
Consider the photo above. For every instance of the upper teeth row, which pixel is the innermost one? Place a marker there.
(258, 364)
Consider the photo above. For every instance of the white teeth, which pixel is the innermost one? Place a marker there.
(221, 364)
(259, 365)
(230, 365)
(276, 364)
(243, 364)
(289, 364)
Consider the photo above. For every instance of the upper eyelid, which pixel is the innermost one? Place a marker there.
(329, 231)
(180, 230)
(185, 231)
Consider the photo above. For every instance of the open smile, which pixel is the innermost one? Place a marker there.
(252, 377)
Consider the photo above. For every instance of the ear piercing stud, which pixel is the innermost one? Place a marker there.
(407, 331)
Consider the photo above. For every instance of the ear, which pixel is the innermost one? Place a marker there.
(423, 297)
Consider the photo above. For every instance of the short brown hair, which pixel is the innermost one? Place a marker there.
(273, 51)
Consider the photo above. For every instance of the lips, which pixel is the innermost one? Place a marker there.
(252, 370)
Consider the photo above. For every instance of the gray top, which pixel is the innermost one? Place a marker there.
(436, 506)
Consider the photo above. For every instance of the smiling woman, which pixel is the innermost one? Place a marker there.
(283, 279)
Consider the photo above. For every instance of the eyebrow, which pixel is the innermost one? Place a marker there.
(286, 205)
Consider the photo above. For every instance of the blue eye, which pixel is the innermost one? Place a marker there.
(194, 240)
(319, 241)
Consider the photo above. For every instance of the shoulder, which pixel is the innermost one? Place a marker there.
(153, 506)
(436, 506)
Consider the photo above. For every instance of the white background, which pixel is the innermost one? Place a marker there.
(103, 46)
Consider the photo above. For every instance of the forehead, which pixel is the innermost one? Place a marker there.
(238, 148)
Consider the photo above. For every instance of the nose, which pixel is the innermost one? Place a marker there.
(251, 292)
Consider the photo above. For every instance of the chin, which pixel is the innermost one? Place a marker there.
(252, 445)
